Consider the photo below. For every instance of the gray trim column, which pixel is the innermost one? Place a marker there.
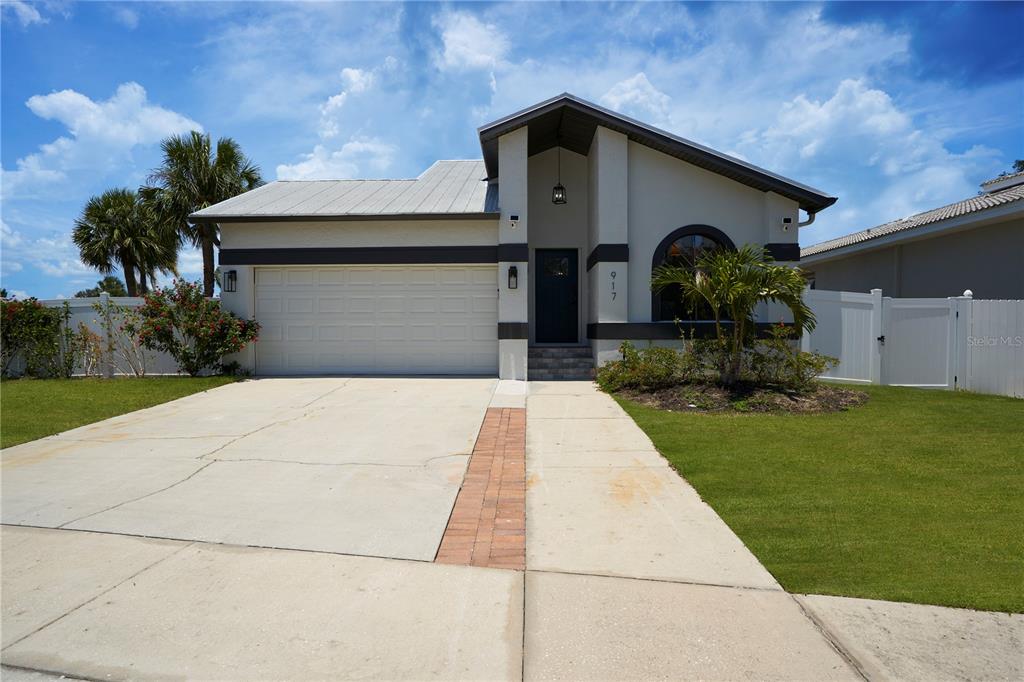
(513, 252)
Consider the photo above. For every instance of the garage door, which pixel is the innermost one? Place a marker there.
(430, 319)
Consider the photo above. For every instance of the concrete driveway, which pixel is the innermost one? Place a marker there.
(349, 466)
(287, 529)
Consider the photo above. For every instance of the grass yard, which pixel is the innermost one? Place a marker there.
(917, 496)
(33, 408)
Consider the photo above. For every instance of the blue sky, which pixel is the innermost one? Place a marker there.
(893, 107)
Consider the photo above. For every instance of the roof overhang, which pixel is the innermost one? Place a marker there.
(960, 223)
(570, 122)
(343, 217)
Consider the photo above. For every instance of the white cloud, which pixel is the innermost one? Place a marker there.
(355, 81)
(24, 13)
(861, 132)
(126, 16)
(54, 254)
(353, 159)
(636, 96)
(469, 43)
(102, 135)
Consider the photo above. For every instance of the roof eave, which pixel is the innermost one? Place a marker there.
(951, 224)
(307, 218)
(809, 198)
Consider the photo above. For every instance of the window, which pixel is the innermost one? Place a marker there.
(684, 247)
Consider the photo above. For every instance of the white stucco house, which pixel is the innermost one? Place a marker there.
(538, 254)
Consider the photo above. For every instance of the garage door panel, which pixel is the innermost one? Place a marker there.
(377, 319)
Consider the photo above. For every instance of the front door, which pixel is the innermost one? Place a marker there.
(556, 298)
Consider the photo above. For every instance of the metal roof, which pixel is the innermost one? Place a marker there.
(450, 189)
(570, 122)
(977, 204)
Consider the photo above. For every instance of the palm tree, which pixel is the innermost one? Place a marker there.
(731, 284)
(195, 175)
(118, 228)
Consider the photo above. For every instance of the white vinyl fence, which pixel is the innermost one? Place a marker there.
(83, 311)
(947, 343)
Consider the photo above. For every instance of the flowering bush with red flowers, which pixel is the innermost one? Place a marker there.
(180, 321)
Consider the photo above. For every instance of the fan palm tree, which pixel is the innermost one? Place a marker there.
(118, 228)
(731, 284)
(194, 175)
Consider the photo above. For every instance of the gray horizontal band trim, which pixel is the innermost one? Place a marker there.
(780, 251)
(513, 253)
(513, 330)
(195, 218)
(372, 255)
(659, 331)
(608, 253)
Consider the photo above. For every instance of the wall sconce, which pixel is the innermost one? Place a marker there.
(513, 277)
(231, 280)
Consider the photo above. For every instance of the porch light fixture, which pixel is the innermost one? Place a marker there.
(513, 277)
(231, 280)
(558, 192)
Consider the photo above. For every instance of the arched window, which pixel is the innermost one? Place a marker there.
(683, 247)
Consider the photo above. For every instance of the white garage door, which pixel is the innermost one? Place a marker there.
(380, 319)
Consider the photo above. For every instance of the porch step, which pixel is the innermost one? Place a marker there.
(561, 363)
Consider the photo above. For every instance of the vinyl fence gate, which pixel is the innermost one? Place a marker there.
(944, 343)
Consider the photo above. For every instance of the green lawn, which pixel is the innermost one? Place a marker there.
(917, 496)
(33, 408)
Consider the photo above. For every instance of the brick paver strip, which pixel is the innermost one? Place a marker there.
(488, 524)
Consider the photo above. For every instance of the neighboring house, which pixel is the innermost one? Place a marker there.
(548, 241)
(975, 244)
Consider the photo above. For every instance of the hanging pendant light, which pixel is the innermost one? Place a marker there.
(558, 192)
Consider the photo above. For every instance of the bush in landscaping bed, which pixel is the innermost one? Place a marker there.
(773, 363)
(646, 369)
(194, 330)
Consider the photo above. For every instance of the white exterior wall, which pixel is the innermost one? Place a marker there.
(342, 234)
(397, 233)
(609, 224)
(563, 226)
(666, 193)
(513, 305)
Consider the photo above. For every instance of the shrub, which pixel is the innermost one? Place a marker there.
(39, 336)
(776, 361)
(646, 369)
(193, 329)
(123, 350)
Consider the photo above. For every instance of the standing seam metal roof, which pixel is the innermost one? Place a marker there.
(446, 188)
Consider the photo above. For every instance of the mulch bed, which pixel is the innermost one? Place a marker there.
(746, 398)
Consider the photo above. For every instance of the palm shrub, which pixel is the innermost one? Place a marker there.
(732, 284)
(191, 328)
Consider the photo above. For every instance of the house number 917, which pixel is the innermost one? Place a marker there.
(614, 293)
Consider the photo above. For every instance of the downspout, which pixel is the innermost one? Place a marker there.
(810, 219)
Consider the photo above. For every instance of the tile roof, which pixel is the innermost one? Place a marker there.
(1003, 178)
(446, 188)
(977, 204)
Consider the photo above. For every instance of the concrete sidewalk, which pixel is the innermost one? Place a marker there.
(631, 575)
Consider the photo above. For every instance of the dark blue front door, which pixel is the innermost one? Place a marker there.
(556, 296)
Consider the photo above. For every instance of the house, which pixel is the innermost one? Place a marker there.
(975, 244)
(544, 248)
